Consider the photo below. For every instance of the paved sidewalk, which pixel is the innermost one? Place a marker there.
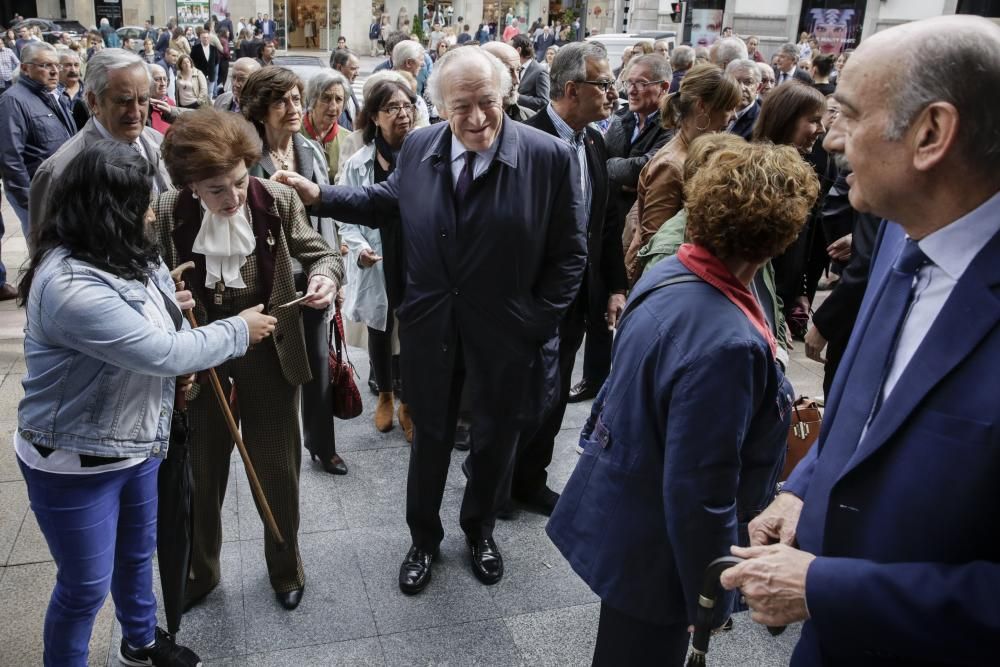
(353, 537)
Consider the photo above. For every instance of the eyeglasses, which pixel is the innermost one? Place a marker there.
(51, 67)
(394, 110)
(641, 85)
(603, 84)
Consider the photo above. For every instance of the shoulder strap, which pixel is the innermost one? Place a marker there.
(676, 280)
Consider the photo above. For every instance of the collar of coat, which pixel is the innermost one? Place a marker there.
(440, 150)
(187, 221)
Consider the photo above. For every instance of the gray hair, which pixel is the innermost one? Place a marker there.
(32, 49)
(570, 64)
(659, 67)
(924, 81)
(320, 82)
(463, 58)
(682, 58)
(762, 69)
(728, 49)
(406, 50)
(341, 57)
(68, 53)
(789, 49)
(383, 75)
(741, 64)
(102, 63)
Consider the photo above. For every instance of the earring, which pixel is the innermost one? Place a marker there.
(708, 121)
(194, 194)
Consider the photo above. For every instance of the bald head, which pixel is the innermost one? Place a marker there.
(242, 69)
(927, 55)
(509, 56)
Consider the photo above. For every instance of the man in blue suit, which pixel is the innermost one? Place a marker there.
(489, 277)
(894, 512)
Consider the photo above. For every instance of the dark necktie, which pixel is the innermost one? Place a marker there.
(465, 178)
(862, 396)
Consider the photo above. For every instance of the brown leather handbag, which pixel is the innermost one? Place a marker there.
(802, 433)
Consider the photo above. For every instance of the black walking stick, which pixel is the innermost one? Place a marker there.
(710, 589)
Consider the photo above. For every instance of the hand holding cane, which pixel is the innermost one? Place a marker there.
(220, 395)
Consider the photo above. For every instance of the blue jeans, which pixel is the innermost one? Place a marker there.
(101, 530)
(22, 216)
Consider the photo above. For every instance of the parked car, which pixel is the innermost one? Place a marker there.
(303, 66)
(52, 29)
(135, 32)
(616, 42)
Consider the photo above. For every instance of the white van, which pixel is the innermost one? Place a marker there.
(617, 42)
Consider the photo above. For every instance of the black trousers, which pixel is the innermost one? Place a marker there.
(489, 464)
(625, 640)
(534, 452)
(380, 353)
(597, 347)
(318, 433)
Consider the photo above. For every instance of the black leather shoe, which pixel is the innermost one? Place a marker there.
(415, 572)
(487, 563)
(335, 466)
(584, 390)
(542, 501)
(290, 599)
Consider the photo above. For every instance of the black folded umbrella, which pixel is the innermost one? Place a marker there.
(173, 521)
(710, 589)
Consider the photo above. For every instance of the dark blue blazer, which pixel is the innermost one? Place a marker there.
(491, 275)
(905, 526)
(688, 439)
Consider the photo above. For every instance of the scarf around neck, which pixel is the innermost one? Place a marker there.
(712, 270)
(225, 241)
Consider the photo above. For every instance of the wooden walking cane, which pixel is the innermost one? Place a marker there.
(220, 395)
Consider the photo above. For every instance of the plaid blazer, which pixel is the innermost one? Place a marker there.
(278, 215)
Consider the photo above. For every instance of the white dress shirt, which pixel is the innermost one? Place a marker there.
(950, 250)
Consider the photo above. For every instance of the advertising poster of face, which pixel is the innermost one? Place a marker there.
(836, 25)
(706, 26)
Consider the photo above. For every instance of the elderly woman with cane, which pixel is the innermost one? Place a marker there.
(687, 435)
(243, 235)
(103, 343)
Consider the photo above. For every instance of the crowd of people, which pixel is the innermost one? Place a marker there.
(481, 212)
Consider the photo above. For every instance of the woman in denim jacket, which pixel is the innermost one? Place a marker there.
(103, 345)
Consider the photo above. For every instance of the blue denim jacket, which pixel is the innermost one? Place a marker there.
(100, 377)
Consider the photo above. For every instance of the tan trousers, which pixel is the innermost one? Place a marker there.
(269, 423)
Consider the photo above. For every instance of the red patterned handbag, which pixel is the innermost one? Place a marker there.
(344, 394)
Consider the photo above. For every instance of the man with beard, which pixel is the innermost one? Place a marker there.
(508, 55)
(583, 92)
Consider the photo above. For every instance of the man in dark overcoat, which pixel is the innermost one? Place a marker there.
(489, 276)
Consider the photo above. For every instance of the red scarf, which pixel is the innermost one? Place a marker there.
(315, 135)
(710, 268)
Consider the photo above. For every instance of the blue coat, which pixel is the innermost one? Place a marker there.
(687, 444)
(491, 276)
(908, 565)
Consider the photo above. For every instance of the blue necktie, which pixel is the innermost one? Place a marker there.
(862, 396)
(465, 178)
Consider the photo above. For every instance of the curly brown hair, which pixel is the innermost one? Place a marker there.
(750, 202)
(206, 143)
(262, 89)
(705, 146)
(706, 82)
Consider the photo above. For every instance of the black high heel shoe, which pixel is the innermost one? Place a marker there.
(334, 466)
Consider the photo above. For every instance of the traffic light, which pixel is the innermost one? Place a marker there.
(676, 9)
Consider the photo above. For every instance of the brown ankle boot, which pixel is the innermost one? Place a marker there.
(405, 421)
(383, 412)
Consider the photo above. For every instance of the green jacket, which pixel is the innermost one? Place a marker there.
(667, 241)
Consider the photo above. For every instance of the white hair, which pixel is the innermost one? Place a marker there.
(102, 63)
(464, 58)
(406, 50)
(741, 64)
(32, 49)
(728, 49)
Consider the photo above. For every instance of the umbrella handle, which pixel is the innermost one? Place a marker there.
(255, 487)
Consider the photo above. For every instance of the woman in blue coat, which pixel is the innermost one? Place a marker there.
(686, 438)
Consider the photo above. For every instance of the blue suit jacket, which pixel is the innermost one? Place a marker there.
(688, 440)
(905, 526)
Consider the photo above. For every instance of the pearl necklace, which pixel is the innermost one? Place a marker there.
(284, 160)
